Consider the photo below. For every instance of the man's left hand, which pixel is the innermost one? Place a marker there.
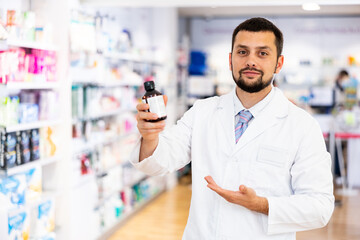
(245, 197)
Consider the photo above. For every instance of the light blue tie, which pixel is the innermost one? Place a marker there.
(241, 126)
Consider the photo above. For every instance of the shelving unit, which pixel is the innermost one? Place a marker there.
(69, 188)
(30, 85)
(108, 232)
(28, 166)
(34, 70)
(131, 58)
(101, 115)
(33, 125)
(5, 44)
(89, 146)
(108, 84)
(105, 198)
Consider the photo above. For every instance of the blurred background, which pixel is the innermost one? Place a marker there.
(72, 72)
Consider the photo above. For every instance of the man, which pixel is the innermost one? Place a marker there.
(264, 160)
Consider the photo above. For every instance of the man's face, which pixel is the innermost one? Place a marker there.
(253, 60)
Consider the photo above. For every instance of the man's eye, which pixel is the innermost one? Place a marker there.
(263, 54)
(242, 52)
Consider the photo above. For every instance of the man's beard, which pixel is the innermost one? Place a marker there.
(257, 86)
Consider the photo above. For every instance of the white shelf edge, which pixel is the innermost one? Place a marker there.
(91, 146)
(31, 85)
(101, 115)
(131, 58)
(116, 165)
(109, 84)
(34, 125)
(83, 179)
(110, 230)
(28, 166)
(32, 45)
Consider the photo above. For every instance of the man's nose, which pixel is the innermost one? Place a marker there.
(250, 62)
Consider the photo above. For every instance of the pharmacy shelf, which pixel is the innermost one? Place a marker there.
(101, 115)
(28, 166)
(31, 85)
(83, 146)
(45, 195)
(109, 84)
(106, 234)
(83, 179)
(102, 173)
(109, 195)
(28, 44)
(34, 125)
(131, 58)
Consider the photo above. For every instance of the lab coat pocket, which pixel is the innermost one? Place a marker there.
(269, 172)
(274, 156)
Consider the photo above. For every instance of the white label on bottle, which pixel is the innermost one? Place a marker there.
(157, 105)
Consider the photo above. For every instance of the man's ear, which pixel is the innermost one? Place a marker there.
(279, 64)
(230, 62)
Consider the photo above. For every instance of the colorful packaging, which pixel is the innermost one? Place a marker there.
(23, 139)
(47, 144)
(35, 144)
(34, 184)
(9, 110)
(2, 148)
(14, 189)
(50, 236)
(18, 224)
(28, 112)
(43, 219)
(10, 150)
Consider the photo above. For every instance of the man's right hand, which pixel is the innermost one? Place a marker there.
(148, 130)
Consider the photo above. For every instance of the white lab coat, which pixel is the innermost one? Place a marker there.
(281, 155)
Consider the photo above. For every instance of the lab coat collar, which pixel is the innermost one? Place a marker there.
(272, 114)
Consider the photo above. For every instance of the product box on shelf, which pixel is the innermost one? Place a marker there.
(34, 184)
(18, 65)
(48, 142)
(113, 210)
(49, 236)
(28, 112)
(13, 190)
(2, 147)
(9, 110)
(35, 144)
(23, 140)
(10, 147)
(42, 219)
(18, 224)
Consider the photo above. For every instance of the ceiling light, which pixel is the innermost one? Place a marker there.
(311, 7)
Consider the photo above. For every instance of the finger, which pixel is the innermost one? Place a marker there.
(210, 180)
(142, 107)
(165, 99)
(243, 189)
(147, 133)
(146, 116)
(150, 125)
(212, 185)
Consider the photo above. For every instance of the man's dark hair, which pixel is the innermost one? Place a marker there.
(259, 24)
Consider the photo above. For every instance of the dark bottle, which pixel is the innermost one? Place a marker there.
(155, 100)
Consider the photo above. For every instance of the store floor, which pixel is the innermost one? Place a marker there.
(165, 219)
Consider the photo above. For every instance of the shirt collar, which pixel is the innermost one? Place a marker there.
(257, 108)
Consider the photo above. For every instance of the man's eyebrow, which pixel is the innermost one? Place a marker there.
(241, 46)
(264, 47)
(260, 47)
